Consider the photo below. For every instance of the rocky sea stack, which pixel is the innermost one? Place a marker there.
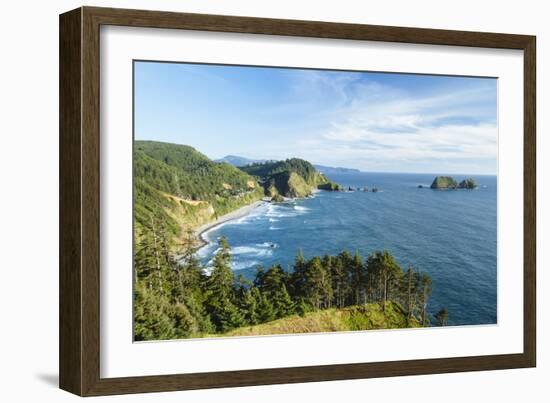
(469, 183)
(448, 182)
(444, 182)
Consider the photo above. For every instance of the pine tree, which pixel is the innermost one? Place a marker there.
(220, 284)
(266, 313)
(357, 278)
(410, 292)
(249, 305)
(339, 281)
(442, 316)
(282, 303)
(151, 315)
(220, 292)
(383, 267)
(425, 290)
(297, 279)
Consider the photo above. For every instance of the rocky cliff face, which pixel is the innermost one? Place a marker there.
(288, 184)
(290, 178)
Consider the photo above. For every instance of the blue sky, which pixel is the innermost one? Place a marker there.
(382, 122)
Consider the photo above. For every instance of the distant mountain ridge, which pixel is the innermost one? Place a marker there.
(239, 161)
(335, 170)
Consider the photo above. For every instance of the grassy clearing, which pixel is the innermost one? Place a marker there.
(365, 317)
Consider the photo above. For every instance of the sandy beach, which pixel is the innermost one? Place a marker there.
(236, 214)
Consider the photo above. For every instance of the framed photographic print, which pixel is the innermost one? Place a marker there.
(249, 201)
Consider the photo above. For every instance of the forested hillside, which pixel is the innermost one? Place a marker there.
(177, 188)
(178, 299)
(290, 178)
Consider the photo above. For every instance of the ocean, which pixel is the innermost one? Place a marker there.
(450, 234)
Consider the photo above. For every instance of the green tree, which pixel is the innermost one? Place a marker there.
(411, 292)
(151, 315)
(266, 313)
(383, 267)
(425, 289)
(441, 317)
(339, 279)
(282, 303)
(317, 287)
(298, 277)
(358, 278)
(250, 305)
(220, 301)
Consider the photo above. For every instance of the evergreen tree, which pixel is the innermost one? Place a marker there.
(266, 313)
(220, 292)
(383, 267)
(250, 305)
(282, 303)
(358, 278)
(411, 292)
(151, 315)
(339, 280)
(316, 283)
(441, 317)
(297, 279)
(425, 289)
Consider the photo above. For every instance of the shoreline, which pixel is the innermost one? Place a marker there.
(234, 215)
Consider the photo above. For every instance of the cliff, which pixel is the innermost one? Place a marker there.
(290, 178)
(177, 188)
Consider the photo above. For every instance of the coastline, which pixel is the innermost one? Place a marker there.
(234, 215)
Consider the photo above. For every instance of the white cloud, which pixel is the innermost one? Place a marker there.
(377, 127)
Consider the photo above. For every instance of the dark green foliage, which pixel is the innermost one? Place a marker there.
(425, 288)
(444, 182)
(299, 166)
(266, 312)
(168, 299)
(166, 175)
(184, 172)
(221, 295)
(331, 186)
(441, 317)
(291, 178)
(469, 183)
(175, 296)
(386, 273)
(176, 299)
(447, 182)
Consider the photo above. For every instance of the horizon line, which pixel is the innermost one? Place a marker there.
(262, 160)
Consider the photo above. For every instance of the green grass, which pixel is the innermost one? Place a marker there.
(364, 317)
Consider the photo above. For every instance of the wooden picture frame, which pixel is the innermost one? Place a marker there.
(79, 346)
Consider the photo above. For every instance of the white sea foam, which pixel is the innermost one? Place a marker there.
(245, 264)
(268, 245)
(251, 251)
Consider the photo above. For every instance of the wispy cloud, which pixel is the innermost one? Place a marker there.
(370, 121)
(380, 127)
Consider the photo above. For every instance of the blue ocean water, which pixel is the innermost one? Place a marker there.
(449, 234)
